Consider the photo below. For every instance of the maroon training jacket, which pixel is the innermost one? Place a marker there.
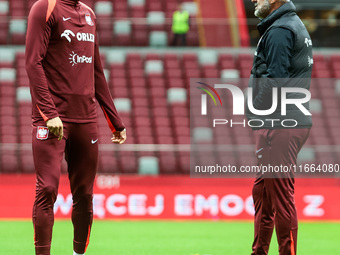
(63, 64)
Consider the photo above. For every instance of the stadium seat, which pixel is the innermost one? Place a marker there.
(103, 8)
(122, 104)
(190, 7)
(136, 2)
(306, 155)
(9, 161)
(148, 166)
(127, 164)
(26, 162)
(17, 30)
(230, 74)
(337, 87)
(122, 27)
(168, 163)
(315, 106)
(23, 94)
(208, 57)
(115, 57)
(156, 20)
(158, 39)
(4, 13)
(176, 95)
(122, 31)
(7, 74)
(202, 134)
(108, 162)
(153, 66)
(4, 8)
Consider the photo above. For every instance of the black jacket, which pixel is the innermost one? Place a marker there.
(283, 58)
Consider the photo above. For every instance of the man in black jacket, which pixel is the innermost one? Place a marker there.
(283, 63)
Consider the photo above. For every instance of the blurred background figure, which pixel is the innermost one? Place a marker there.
(180, 26)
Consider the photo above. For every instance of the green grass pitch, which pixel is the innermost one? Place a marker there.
(166, 238)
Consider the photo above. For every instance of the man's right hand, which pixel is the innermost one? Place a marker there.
(55, 126)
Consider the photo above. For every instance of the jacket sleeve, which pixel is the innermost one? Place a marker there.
(38, 34)
(103, 95)
(278, 49)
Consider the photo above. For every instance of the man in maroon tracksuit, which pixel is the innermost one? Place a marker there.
(66, 79)
(283, 60)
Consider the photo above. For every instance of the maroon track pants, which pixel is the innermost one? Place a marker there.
(273, 194)
(81, 152)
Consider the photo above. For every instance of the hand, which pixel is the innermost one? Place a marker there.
(55, 126)
(119, 136)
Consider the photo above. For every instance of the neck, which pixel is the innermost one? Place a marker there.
(70, 2)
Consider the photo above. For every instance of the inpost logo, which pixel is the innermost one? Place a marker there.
(239, 101)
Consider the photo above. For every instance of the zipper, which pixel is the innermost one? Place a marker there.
(76, 8)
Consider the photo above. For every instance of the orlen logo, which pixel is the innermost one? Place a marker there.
(81, 37)
(76, 59)
(67, 34)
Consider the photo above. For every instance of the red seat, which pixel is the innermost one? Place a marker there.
(176, 83)
(118, 83)
(117, 72)
(138, 82)
(138, 92)
(228, 64)
(170, 56)
(160, 112)
(163, 131)
(174, 73)
(172, 64)
(162, 121)
(141, 111)
(140, 102)
(108, 162)
(136, 72)
(184, 163)
(127, 164)
(144, 121)
(191, 65)
(158, 92)
(9, 162)
(133, 56)
(168, 163)
(145, 139)
(26, 160)
(153, 56)
(154, 6)
(193, 38)
(156, 82)
(119, 92)
(165, 139)
(190, 57)
(140, 38)
(122, 40)
(105, 37)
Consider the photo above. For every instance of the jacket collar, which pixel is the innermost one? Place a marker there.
(288, 7)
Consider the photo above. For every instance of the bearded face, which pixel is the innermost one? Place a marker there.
(262, 8)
